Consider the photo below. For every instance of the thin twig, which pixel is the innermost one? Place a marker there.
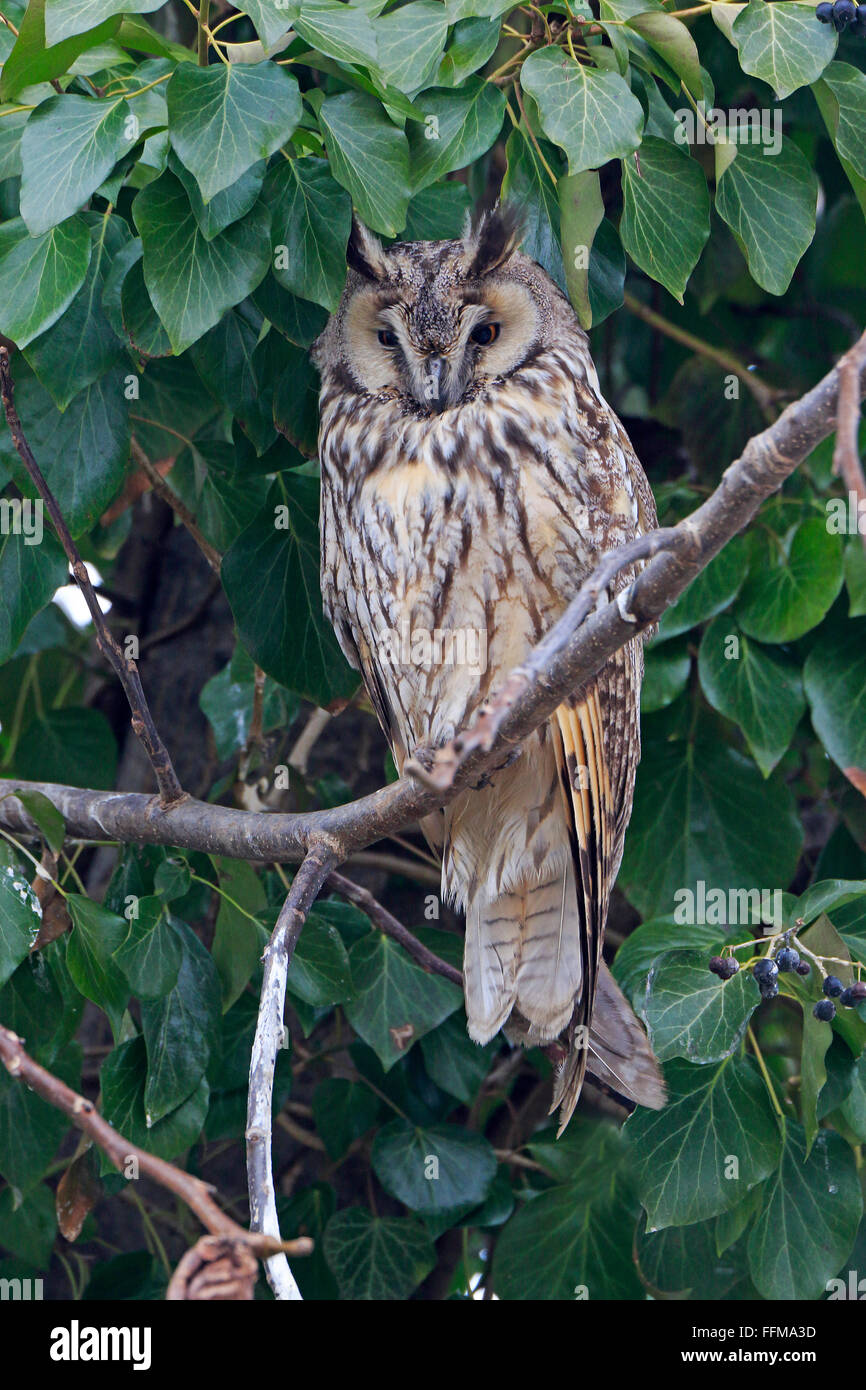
(846, 454)
(270, 1032)
(170, 790)
(180, 509)
(383, 919)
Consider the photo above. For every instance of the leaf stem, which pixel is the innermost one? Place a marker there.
(759, 1057)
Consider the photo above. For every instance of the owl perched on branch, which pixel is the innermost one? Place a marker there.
(472, 477)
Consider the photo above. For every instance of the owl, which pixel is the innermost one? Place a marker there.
(472, 477)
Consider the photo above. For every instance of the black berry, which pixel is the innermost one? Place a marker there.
(824, 12)
(859, 26)
(804, 968)
(765, 969)
(844, 13)
(833, 987)
(825, 1010)
(769, 988)
(787, 960)
(853, 995)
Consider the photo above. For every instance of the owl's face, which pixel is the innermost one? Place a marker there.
(429, 320)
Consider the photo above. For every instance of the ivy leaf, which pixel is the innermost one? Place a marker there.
(178, 1030)
(41, 275)
(343, 1111)
(704, 812)
(75, 745)
(122, 1077)
(281, 550)
(96, 935)
(438, 213)
(434, 1170)
(65, 18)
(666, 212)
(582, 211)
(792, 584)
(606, 273)
(49, 821)
(682, 1153)
(343, 32)
(670, 38)
(528, 184)
(30, 1128)
(151, 953)
(473, 41)
(410, 43)
(817, 1037)
(759, 689)
(782, 45)
(376, 1258)
(319, 973)
(845, 86)
(835, 682)
(69, 146)
(591, 115)
(191, 281)
(34, 60)
(271, 22)
(690, 1013)
(769, 205)
(459, 127)
(28, 1228)
(855, 579)
(29, 578)
(20, 920)
(311, 216)
(454, 1061)
(808, 1219)
(228, 699)
(370, 157)
(396, 1002)
(226, 117)
(655, 938)
(231, 205)
(666, 675)
(238, 941)
(709, 592)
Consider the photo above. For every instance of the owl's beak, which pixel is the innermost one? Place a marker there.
(434, 381)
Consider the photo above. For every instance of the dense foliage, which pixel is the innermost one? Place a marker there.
(173, 236)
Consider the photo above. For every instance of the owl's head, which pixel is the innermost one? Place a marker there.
(432, 319)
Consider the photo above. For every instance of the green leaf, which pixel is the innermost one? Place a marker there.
(69, 146)
(456, 1063)
(178, 1030)
(846, 86)
(410, 43)
(853, 1107)
(29, 577)
(319, 973)
(73, 745)
(227, 699)
(769, 205)
(670, 37)
(20, 920)
(238, 941)
(433, 1170)
(683, 1152)
(835, 682)
(759, 689)
(581, 210)
(343, 32)
(666, 675)
(808, 1219)
(64, 18)
(528, 184)
(122, 1077)
(822, 897)
(651, 939)
(271, 22)
(459, 127)
(396, 1002)
(370, 157)
(40, 275)
(438, 213)
(374, 1258)
(32, 60)
(782, 44)
(30, 1128)
(606, 273)
(472, 43)
(703, 812)
(151, 953)
(691, 1013)
(82, 345)
(231, 205)
(666, 212)
(271, 578)
(591, 115)
(226, 117)
(49, 821)
(311, 218)
(191, 281)
(96, 935)
(28, 1230)
(791, 584)
(343, 1111)
(710, 591)
(817, 1037)
(854, 565)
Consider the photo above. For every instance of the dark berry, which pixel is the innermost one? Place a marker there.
(833, 987)
(824, 12)
(717, 966)
(769, 988)
(825, 1010)
(853, 995)
(844, 13)
(804, 968)
(788, 959)
(765, 969)
(859, 26)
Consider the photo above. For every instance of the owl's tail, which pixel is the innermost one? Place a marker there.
(522, 971)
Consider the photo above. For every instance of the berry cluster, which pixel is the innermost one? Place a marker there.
(844, 14)
(786, 960)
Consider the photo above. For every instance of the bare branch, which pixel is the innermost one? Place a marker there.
(846, 455)
(270, 1032)
(180, 509)
(382, 918)
(170, 790)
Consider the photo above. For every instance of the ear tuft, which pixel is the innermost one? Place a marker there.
(494, 237)
(365, 253)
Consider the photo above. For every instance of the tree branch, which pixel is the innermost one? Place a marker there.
(846, 455)
(170, 790)
(270, 1031)
(382, 918)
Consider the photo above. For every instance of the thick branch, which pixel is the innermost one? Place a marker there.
(125, 668)
(270, 1032)
(846, 455)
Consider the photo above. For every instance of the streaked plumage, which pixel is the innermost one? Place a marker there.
(469, 485)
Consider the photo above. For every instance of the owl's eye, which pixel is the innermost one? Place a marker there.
(387, 338)
(485, 334)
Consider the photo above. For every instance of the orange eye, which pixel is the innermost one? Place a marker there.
(485, 334)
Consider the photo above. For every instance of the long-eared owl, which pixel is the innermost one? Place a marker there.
(472, 477)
